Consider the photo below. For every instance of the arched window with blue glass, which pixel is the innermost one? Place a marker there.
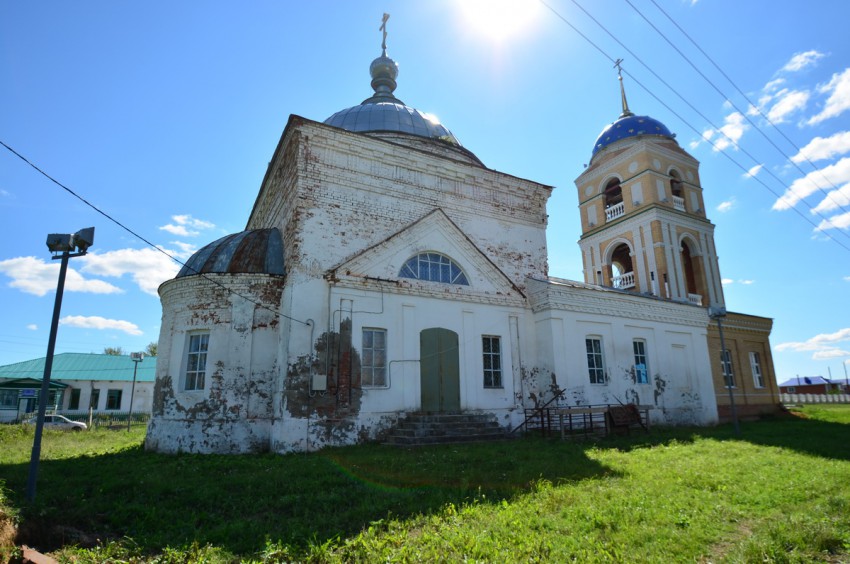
(433, 267)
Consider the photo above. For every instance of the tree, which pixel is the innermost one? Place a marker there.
(114, 351)
(150, 350)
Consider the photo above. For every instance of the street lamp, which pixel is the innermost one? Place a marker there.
(61, 245)
(717, 313)
(136, 357)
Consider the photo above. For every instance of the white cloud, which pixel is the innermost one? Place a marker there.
(834, 199)
(789, 101)
(100, 323)
(835, 174)
(5, 193)
(727, 281)
(835, 222)
(32, 327)
(821, 148)
(732, 131)
(35, 276)
(774, 85)
(823, 346)
(148, 267)
(726, 206)
(802, 60)
(747, 282)
(753, 171)
(839, 97)
(187, 226)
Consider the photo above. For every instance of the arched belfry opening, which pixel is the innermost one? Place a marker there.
(622, 270)
(692, 270)
(677, 190)
(614, 206)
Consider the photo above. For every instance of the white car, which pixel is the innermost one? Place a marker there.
(59, 422)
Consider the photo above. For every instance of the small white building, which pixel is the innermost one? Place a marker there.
(78, 381)
(385, 270)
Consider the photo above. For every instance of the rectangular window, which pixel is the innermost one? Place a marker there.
(95, 399)
(755, 364)
(641, 363)
(74, 402)
(726, 365)
(492, 347)
(113, 399)
(595, 367)
(373, 365)
(9, 399)
(196, 361)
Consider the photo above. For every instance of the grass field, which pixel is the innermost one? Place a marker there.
(776, 493)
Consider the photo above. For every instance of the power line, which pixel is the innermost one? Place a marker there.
(675, 113)
(161, 250)
(743, 113)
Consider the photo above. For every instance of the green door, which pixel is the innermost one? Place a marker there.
(439, 370)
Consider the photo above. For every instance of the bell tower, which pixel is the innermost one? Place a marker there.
(643, 222)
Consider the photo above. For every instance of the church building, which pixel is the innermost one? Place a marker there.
(386, 271)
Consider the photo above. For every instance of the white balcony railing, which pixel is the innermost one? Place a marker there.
(624, 281)
(679, 203)
(615, 211)
(695, 299)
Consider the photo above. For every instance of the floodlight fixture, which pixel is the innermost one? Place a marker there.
(83, 239)
(60, 242)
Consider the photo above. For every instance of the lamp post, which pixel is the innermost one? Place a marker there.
(61, 245)
(717, 313)
(136, 357)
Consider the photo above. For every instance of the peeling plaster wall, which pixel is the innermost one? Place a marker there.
(233, 412)
(680, 385)
(349, 413)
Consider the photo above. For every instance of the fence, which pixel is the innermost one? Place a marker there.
(100, 419)
(814, 398)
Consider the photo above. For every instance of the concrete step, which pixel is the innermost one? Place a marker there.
(436, 428)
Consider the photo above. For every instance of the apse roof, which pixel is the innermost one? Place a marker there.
(255, 251)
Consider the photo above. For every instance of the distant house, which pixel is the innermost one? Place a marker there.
(810, 385)
(78, 381)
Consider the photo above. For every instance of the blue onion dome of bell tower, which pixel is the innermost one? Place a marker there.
(383, 112)
(628, 124)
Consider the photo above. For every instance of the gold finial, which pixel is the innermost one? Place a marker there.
(618, 64)
(384, 29)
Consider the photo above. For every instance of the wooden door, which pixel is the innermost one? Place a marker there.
(439, 370)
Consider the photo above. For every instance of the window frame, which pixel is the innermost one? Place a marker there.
(493, 358)
(756, 369)
(74, 400)
(10, 393)
(726, 365)
(94, 399)
(113, 395)
(429, 266)
(636, 358)
(368, 367)
(595, 373)
(195, 372)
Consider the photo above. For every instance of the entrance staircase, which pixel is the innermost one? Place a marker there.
(441, 428)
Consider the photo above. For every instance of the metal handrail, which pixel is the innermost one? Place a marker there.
(536, 411)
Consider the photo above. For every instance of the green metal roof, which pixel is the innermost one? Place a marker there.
(83, 366)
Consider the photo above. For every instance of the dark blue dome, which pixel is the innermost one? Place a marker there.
(630, 126)
(256, 251)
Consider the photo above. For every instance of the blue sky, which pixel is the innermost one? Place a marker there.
(165, 115)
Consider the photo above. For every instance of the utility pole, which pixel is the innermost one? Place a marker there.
(717, 313)
(61, 245)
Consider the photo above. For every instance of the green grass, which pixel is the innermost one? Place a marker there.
(777, 493)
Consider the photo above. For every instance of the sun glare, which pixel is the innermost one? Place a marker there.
(499, 19)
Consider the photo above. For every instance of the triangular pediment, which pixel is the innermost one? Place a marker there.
(433, 233)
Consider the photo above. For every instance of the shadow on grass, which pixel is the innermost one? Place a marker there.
(238, 502)
(789, 431)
